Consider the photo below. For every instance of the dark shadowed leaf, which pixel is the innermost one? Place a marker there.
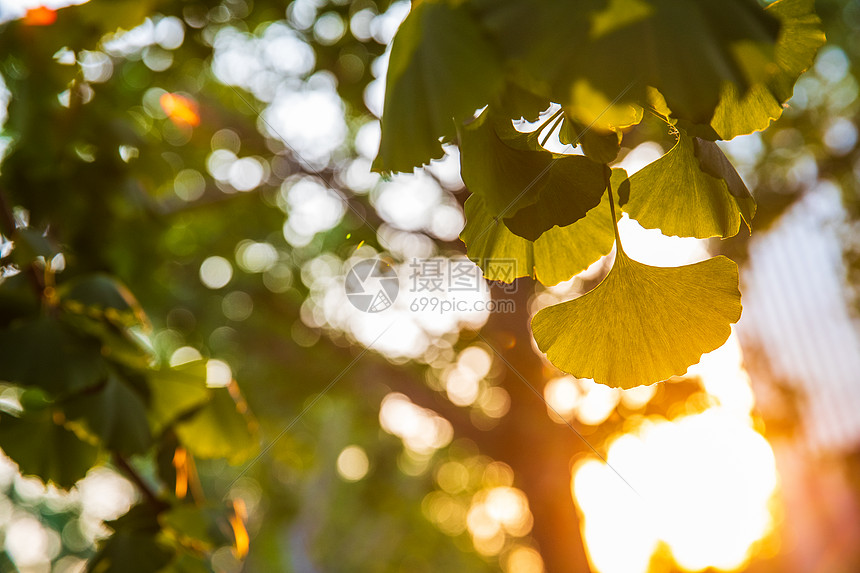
(50, 355)
(533, 190)
(134, 546)
(556, 256)
(41, 446)
(601, 146)
(441, 69)
(115, 414)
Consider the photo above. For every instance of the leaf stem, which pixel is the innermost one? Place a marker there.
(549, 120)
(551, 129)
(612, 210)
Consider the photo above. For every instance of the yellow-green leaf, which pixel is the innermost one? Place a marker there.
(555, 256)
(692, 191)
(532, 189)
(222, 429)
(799, 39)
(642, 324)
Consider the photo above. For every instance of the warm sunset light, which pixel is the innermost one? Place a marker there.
(459, 286)
(700, 485)
(180, 109)
(41, 16)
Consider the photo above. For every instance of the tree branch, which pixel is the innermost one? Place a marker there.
(158, 504)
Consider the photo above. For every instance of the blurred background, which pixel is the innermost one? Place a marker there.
(216, 157)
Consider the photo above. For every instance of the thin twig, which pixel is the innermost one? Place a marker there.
(158, 504)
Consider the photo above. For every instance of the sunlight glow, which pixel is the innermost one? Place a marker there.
(703, 482)
(352, 463)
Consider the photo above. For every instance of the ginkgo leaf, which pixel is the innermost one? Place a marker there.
(533, 190)
(601, 146)
(642, 324)
(799, 39)
(517, 102)
(692, 191)
(687, 50)
(556, 256)
(441, 69)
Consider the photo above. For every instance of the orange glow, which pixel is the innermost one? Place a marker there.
(180, 462)
(40, 16)
(704, 482)
(180, 109)
(237, 521)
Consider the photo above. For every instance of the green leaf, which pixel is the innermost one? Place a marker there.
(600, 146)
(102, 306)
(203, 525)
(48, 354)
(441, 70)
(800, 38)
(115, 414)
(517, 102)
(642, 324)
(533, 189)
(219, 430)
(134, 547)
(176, 391)
(104, 293)
(687, 50)
(42, 447)
(692, 191)
(556, 256)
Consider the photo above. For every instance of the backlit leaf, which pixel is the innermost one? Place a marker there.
(556, 256)
(441, 69)
(176, 391)
(642, 324)
(687, 50)
(219, 430)
(533, 190)
(799, 39)
(692, 191)
(601, 146)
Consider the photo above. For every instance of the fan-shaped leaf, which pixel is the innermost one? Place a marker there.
(799, 39)
(441, 69)
(642, 324)
(687, 50)
(692, 191)
(533, 189)
(556, 256)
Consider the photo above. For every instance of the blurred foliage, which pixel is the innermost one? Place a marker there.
(111, 204)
